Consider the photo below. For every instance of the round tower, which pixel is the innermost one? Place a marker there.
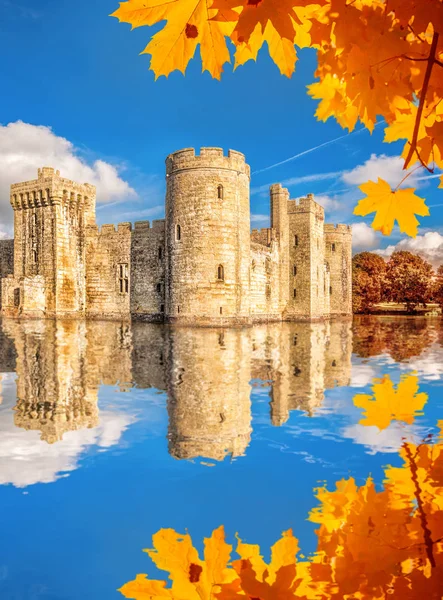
(209, 405)
(207, 237)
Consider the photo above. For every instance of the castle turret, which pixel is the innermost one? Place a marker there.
(338, 256)
(306, 259)
(280, 222)
(207, 237)
(50, 217)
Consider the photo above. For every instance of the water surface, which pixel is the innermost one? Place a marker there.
(110, 432)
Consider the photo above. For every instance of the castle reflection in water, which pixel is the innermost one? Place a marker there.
(207, 375)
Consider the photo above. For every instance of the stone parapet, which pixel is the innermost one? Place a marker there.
(209, 158)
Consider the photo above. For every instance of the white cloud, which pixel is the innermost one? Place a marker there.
(26, 460)
(389, 168)
(260, 218)
(362, 375)
(387, 440)
(24, 148)
(363, 236)
(429, 246)
(329, 203)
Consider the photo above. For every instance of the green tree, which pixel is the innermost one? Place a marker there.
(409, 280)
(368, 281)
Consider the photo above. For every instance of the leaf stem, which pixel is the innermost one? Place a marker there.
(422, 515)
(408, 175)
(421, 106)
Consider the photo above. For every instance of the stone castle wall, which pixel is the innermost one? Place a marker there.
(338, 255)
(6, 261)
(108, 255)
(207, 237)
(201, 265)
(265, 282)
(148, 271)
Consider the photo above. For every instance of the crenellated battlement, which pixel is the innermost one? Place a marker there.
(139, 228)
(341, 229)
(158, 226)
(304, 205)
(209, 158)
(50, 189)
(263, 236)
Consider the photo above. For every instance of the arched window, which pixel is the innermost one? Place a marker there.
(220, 192)
(333, 247)
(330, 290)
(160, 253)
(178, 233)
(295, 270)
(296, 240)
(220, 273)
(295, 293)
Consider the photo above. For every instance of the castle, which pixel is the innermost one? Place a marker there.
(206, 374)
(201, 265)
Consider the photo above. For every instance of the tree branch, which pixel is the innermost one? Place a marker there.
(422, 515)
(421, 106)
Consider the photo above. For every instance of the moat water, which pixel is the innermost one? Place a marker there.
(110, 432)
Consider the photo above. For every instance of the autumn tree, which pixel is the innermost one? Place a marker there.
(409, 280)
(368, 281)
(437, 294)
(378, 61)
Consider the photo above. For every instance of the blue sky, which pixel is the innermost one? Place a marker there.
(70, 67)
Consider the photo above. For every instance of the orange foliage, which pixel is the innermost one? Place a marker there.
(375, 58)
(372, 544)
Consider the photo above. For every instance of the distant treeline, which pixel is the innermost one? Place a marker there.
(404, 279)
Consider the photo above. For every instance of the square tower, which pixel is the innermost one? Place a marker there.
(50, 217)
(306, 259)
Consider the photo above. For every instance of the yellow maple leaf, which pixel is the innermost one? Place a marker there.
(389, 205)
(189, 23)
(388, 404)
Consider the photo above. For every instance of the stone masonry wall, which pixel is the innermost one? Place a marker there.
(306, 259)
(207, 237)
(108, 271)
(338, 255)
(50, 215)
(265, 284)
(6, 261)
(148, 271)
